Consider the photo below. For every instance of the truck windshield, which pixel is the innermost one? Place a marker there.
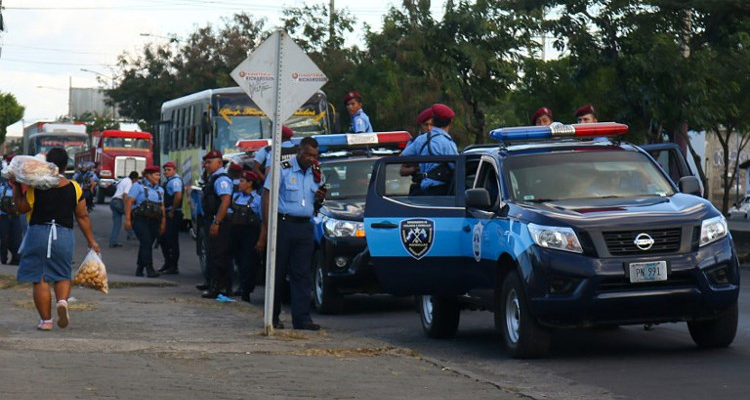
(72, 145)
(126, 143)
(584, 175)
(347, 179)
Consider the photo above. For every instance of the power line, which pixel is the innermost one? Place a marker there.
(52, 62)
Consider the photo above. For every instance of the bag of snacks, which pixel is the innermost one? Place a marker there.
(92, 273)
(32, 171)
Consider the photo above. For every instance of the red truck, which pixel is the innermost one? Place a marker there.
(116, 154)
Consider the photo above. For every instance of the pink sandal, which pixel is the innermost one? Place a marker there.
(44, 325)
(62, 313)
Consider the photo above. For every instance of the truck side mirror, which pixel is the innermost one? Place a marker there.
(478, 198)
(690, 185)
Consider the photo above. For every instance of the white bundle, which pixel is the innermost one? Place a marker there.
(32, 171)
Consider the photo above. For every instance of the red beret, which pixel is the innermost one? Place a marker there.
(441, 111)
(212, 154)
(539, 113)
(249, 176)
(587, 109)
(286, 132)
(9, 157)
(169, 164)
(235, 167)
(352, 95)
(425, 115)
(151, 169)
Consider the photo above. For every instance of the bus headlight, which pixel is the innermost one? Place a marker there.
(555, 237)
(341, 228)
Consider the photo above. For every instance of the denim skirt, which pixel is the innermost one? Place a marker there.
(46, 253)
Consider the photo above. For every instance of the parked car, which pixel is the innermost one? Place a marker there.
(740, 209)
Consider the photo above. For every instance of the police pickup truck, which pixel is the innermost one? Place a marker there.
(555, 227)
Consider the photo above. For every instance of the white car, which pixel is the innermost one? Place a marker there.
(740, 209)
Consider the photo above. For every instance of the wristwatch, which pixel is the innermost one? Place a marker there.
(216, 222)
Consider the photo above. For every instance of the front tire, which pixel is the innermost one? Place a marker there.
(717, 332)
(439, 315)
(326, 298)
(522, 334)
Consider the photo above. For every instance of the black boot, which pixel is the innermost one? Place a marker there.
(139, 271)
(150, 271)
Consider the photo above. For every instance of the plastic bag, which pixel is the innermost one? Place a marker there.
(32, 171)
(92, 273)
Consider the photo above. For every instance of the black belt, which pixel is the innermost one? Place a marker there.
(293, 218)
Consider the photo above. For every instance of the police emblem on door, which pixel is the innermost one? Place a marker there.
(417, 236)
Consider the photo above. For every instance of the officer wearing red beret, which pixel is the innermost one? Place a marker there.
(244, 212)
(433, 178)
(360, 120)
(586, 114)
(217, 196)
(424, 119)
(542, 117)
(144, 213)
(263, 155)
(169, 241)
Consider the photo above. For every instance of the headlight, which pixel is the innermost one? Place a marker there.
(555, 237)
(713, 229)
(341, 228)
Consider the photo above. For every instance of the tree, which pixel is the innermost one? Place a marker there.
(10, 112)
(96, 122)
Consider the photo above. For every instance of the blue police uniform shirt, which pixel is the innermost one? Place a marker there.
(174, 185)
(440, 144)
(222, 185)
(6, 191)
(360, 123)
(297, 191)
(241, 198)
(261, 155)
(155, 193)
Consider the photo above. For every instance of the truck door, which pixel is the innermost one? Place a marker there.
(670, 157)
(417, 243)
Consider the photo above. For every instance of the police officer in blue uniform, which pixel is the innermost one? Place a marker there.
(360, 120)
(86, 178)
(299, 193)
(169, 241)
(144, 213)
(262, 156)
(433, 178)
(10, 224)
(244, 212)
(217, 197)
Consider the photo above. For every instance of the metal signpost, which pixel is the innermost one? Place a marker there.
(279, 77)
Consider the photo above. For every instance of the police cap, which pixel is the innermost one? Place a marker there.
(425, 115)
(587, 109)
(286, 132)
(441, 111)
(541, 111)
(212, 154)
(151, 169)
(352, 95)
(169, 164)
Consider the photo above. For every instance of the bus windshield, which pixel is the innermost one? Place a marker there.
(126, 143)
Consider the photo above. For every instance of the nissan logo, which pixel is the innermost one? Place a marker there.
(643, 241)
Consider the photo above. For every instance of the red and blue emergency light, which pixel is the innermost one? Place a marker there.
(558, 130)
(343, 140)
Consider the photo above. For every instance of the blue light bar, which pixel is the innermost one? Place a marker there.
(558, 130)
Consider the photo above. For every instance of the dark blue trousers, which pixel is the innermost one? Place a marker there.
(244, 238)
(169, 241)
(295, 245)
(10, 237)
(219, 258)
(146, 230)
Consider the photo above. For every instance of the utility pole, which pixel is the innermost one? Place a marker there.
(331, 30)
(2, 24)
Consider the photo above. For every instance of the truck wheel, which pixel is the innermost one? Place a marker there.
(523, 336)
(100, 196)
(717, 332)
(439, 315)
(326, 298)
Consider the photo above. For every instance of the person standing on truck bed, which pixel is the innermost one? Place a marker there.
(169, 241)
(360, 120)
(433, 178)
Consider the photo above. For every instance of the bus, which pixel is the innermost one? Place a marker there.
(220, 119)
(42, 136)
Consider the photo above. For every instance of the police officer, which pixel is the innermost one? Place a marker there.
(433, 178)
(299, 192)
(217, 196)
(262, 156)
(360, 120)
(586, 114)
(542, 117)
(144, 213)
(244, 212)
(424, 119)
(10, 224)
(86, 178)
(169, 241)
(234, 171)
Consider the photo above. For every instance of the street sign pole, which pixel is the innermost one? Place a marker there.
(273, 201)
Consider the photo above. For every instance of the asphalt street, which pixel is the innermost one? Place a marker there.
(157, 339)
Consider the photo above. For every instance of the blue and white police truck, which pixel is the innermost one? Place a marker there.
(555, 227)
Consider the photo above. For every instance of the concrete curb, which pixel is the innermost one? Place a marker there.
(114, 280)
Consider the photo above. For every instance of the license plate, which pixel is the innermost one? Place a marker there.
(648, 271)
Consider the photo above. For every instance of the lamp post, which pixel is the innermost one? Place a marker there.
(112, 86)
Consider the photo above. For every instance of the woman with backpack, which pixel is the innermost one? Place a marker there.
(144, 212)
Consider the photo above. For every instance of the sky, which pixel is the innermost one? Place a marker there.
(47, 43)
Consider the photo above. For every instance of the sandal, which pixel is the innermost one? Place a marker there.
(62, 313)
(44, 325)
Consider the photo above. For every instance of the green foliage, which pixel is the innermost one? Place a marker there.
(10, 112)
(96, 122)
